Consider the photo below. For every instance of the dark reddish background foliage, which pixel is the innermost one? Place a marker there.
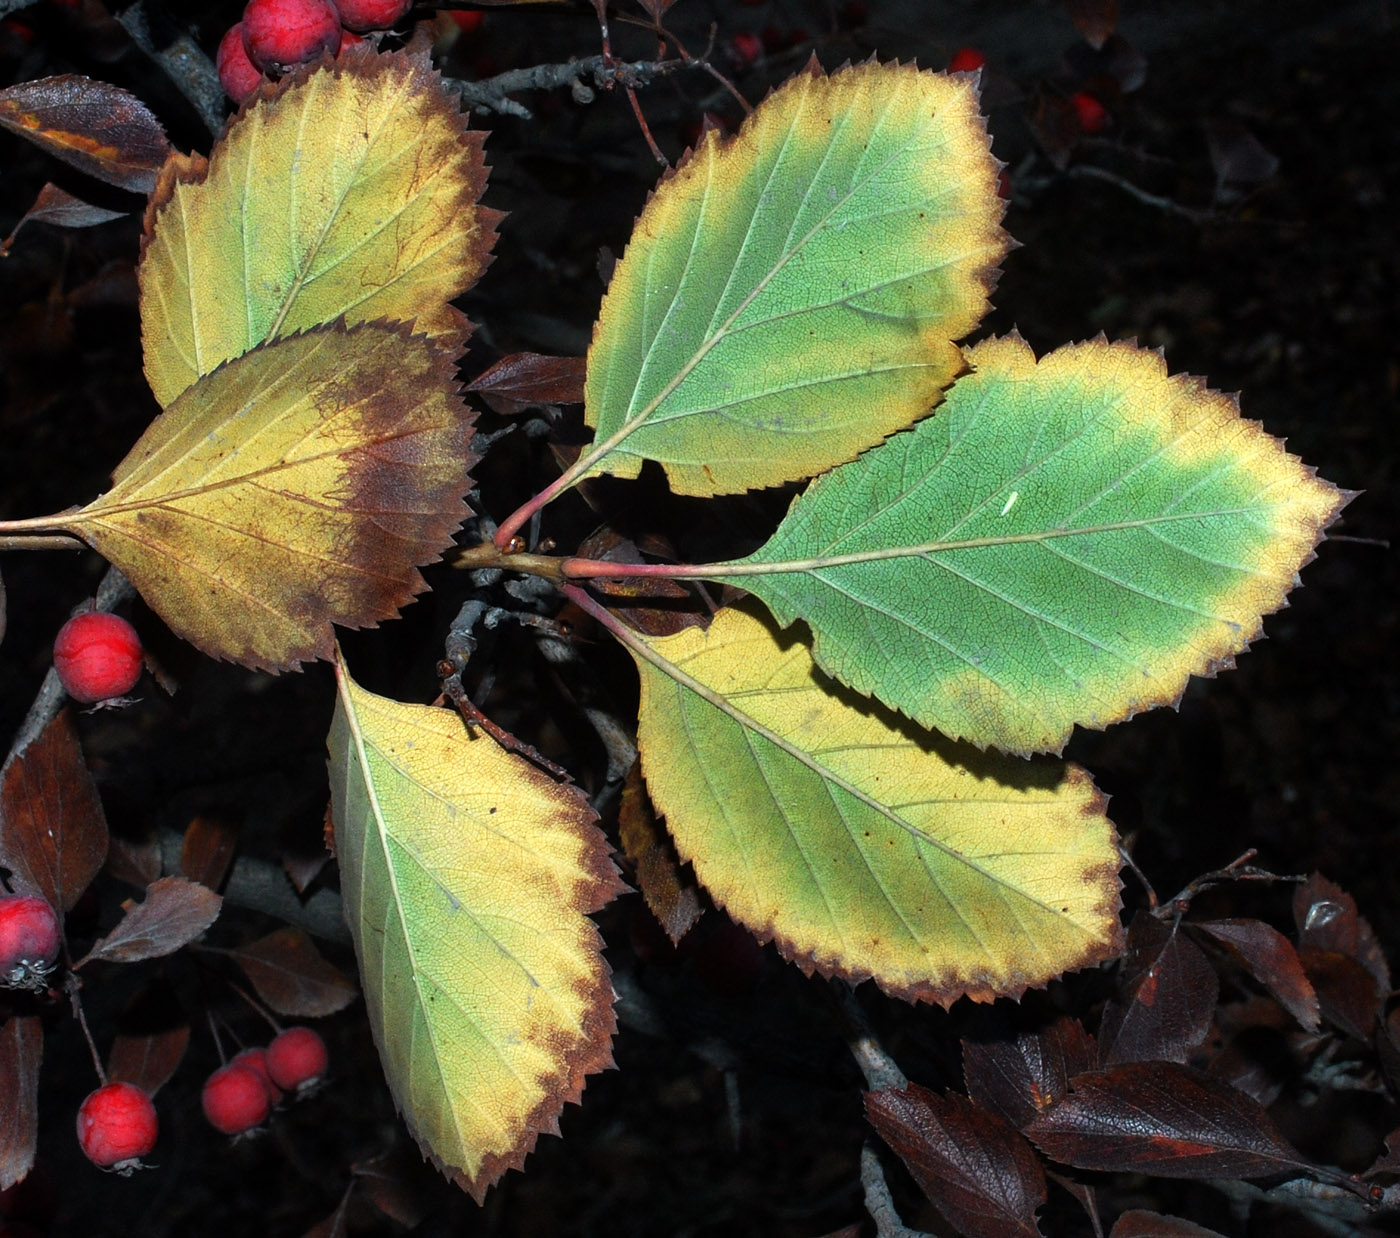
(1238, 210)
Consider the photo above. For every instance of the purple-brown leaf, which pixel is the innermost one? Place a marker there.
(1270, 958)
(1165, 1119)
(292, 977)
(148, 1060)
(1094, 19)
(21, 1050)
(59, 207)
(975, 1167)
(525, 379)
(206, 853)
(173, 913)
(1166, 999)
(100, 129)
(1142, 1224)
(1347, 993)
(1021, 1078)
(1327, 919)
(53, 835)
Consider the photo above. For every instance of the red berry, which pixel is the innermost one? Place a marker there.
(1093, 116)
(117, 1126)
(257, 1059)
(297, 1058)
(235, 1098)
(365, 15)
(97, 656)
(279, 34)
(746, 48)
(239, 75)
(966, 60)
(29, 939)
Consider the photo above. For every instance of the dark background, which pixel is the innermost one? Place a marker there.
(738, 1111)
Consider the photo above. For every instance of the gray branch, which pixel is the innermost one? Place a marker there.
(191, 71)
(582, 77)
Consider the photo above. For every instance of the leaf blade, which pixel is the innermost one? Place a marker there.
(448, 897)
(789, 297)
(1065, 542)
(351, 193)
(299, 486)
(864, 849)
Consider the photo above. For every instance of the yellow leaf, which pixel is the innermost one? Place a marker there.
(296, 487)
(467, 875)
(862, 846)
(352, 192)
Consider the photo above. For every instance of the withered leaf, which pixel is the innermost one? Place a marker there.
(173, 913)
(100, 129)
(291, 975)
(975, 1167)
(1165, 1119)
(53, 834)
(1166, 999)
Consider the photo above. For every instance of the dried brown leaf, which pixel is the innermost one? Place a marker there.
(173, 913)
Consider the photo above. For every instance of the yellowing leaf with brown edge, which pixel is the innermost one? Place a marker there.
(352, 192)
(862, 846)
(296, 487)
(468, 875)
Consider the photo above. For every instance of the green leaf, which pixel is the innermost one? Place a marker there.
(1065, 542)
(468, 876)
(860, 845)
(789, 296)
(350, 193)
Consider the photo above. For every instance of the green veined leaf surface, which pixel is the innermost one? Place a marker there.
(353, 192)
(862, 846)
(789, 296)
(468, 876)
(1064, 542)
(298, 486)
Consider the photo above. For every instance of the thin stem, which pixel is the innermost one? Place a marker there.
(487, 554)
(518, 518)
(73, 985)
(43, 541)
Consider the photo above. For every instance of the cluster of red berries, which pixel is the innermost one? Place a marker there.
(238, 1097)
(277, 35)
(117, 1124)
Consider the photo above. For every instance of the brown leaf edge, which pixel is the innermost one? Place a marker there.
(173, 913)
